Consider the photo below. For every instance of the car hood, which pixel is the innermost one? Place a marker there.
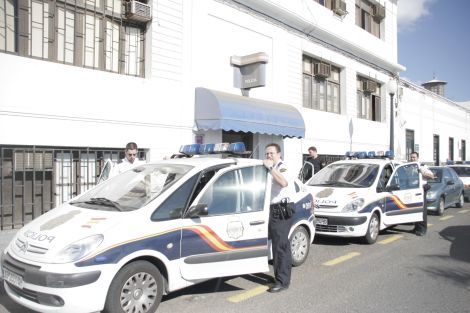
(333, 200)
(42, 239)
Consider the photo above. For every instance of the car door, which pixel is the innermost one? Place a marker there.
(230, 235)
(450, 188)
(404, 203)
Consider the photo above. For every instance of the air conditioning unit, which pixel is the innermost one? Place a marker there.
(369, 86)
(138, 11)
(321, 70)
(379, 11)
(339, 7)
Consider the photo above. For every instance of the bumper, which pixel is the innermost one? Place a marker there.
(341, 226)
(432, 204)
(46, 291)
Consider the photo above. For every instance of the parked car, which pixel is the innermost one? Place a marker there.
(149, 231)
(463, 171)
(446, 190)
(358, 198)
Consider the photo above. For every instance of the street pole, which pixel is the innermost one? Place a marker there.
(392, 89)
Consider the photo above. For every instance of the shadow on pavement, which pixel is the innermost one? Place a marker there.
(459, 236)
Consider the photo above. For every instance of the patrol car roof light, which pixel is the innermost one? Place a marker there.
(371, 154)
(221, 147)
(207, 148)
(361, 154)
(389, 154)
(237, 148)
(190, 149)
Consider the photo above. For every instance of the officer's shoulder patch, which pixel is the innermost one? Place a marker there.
(282, 170)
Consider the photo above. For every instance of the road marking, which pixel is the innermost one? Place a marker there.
(341, 258)
(390, 239)
(463, 211)
(446, 217)
(248, 294)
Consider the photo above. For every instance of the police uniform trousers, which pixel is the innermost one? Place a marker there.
(422, 227)
(282, 256)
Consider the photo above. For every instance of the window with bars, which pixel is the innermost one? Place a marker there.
(369, 104)
(367, 18)
(87, 33)
(321, 87)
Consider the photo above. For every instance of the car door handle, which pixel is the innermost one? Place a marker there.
(418, 194)
(254, 223)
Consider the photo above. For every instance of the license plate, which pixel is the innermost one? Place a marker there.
(13, 278)
(322, 221)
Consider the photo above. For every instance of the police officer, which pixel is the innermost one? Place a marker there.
(421, 227)
(130, 160)
(279, 223)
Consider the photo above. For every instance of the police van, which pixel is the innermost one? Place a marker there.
(149, 231)
(364, 194)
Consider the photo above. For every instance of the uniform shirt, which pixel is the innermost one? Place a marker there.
(424, 170)
(125, 165)
(277, 191)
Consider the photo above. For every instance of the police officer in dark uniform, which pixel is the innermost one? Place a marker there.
(280, 220)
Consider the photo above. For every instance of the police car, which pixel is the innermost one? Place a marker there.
(360, 196)
(149, 231)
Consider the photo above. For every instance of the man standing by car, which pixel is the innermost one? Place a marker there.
(421, 227)
(280, 220)
(130, 160)
(314, 160)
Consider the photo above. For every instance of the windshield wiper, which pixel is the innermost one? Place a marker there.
(102, 201)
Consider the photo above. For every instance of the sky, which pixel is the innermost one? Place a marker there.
(434, 42)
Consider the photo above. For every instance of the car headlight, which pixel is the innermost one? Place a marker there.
(353, 206)
(78, 249)
(430, 195)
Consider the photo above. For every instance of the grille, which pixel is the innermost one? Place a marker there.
(330, 228)
(21, 244)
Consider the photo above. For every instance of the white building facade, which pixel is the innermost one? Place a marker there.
(81, 78)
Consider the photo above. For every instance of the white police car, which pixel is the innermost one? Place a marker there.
(149, 231)
(360, 197)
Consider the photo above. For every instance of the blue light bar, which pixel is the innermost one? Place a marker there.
(207, 148)
(389, 154)
(349, 154)
(371, 154)
(237, 147)
(190, 149)
(361, 155)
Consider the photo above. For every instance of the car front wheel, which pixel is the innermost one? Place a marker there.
(300, 245)
(459, 204)
(441, 208)
(372, 229)
(137, 287)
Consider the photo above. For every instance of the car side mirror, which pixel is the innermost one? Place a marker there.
(197, 210)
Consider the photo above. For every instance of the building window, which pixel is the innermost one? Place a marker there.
(369, 104)
(436, 150)
(85, 33)
(321, 85)
(410, 143)
(369, 16)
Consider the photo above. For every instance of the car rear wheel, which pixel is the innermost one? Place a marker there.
(137, 287)
(372, 229)
(300, 245)
(441, 208)
(459, 204)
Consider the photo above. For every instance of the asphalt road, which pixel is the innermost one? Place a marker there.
(400, 273)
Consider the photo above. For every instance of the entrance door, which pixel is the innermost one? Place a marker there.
(405, 202)
(232, 239)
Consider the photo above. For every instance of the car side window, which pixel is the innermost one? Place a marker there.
(173, 206)
(237, 191)
(384, 177)
(406, 177)
(447, 176)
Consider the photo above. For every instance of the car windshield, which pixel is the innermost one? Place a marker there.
(462, 171)
(437, 176)
(347, 175)
(132, 189)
